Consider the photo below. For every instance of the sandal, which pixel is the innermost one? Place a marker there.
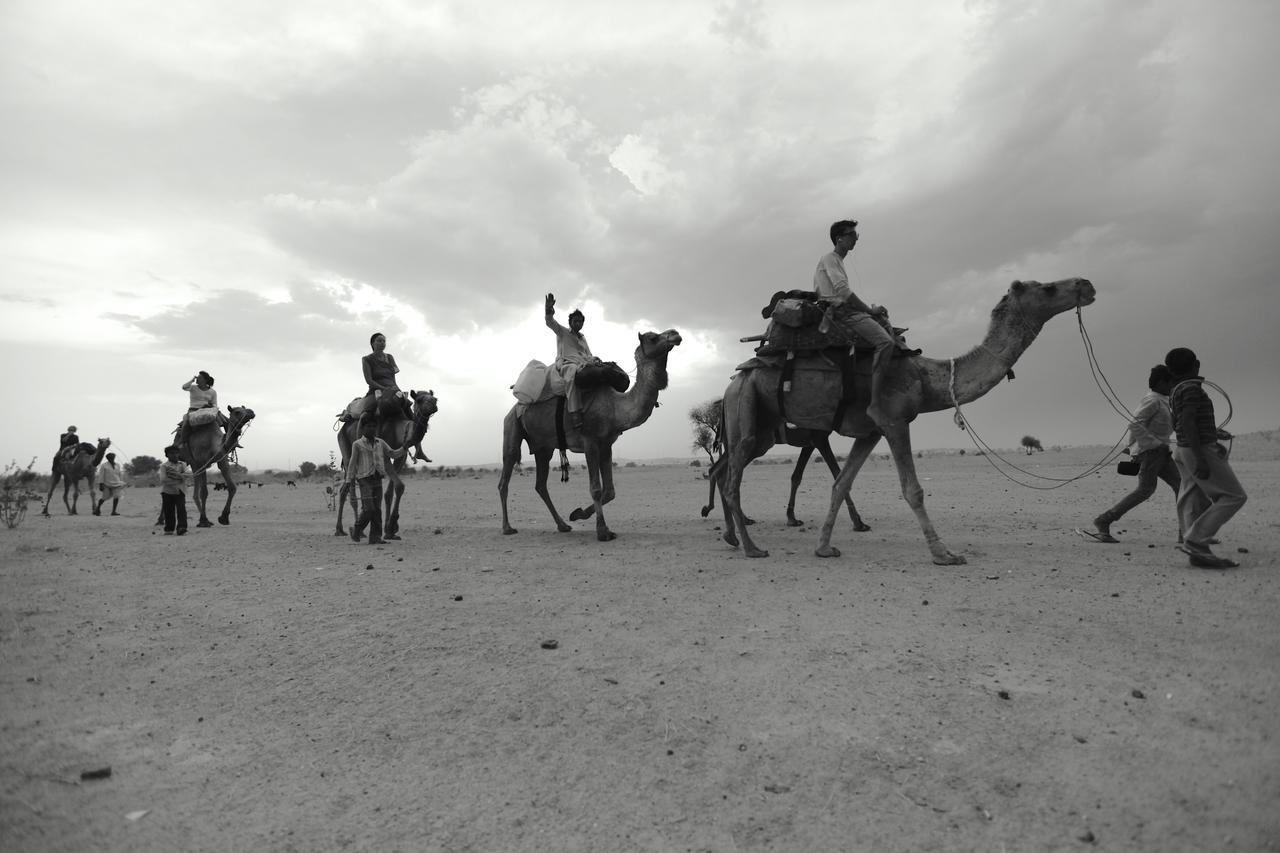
(1097, 536)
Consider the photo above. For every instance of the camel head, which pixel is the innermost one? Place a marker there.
(1032, 303)
(654, 345)
(424, 403)
(239, 417)
(103, 444)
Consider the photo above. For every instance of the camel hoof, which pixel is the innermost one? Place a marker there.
(730, 539)
(564, 528)
(606, 535)
(224, 519)
(204, 523)
(578, 514)
(339, 532)
(706, 510)
(827, 551)
(507, 531)
(861, 527)
(949, 559)
(746, 520)
(794, 522)
(757, 552)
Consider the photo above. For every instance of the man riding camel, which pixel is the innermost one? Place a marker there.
(572, 353)
(868, 322)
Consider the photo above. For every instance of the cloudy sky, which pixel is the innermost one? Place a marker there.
(254, 188)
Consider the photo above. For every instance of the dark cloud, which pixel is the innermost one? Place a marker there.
(313, 321)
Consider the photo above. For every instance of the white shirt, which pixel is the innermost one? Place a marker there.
(830, 280)
(109, 474)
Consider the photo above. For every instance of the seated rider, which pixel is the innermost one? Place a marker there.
(380, 371)
(201, 396)
(832, 284)
(572, 352)
(66, 444)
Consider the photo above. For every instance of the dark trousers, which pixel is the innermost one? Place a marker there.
(370, 505)
(173, 508)
(1153, 465)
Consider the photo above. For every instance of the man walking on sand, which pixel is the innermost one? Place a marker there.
(111, 481)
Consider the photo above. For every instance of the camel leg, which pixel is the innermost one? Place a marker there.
(67, 483)
(53, 484)
(343, 492)
(200, 497)
(899, 437)
(225, 467)
(712, 476)
(542, 459)
(797, 474)
(858, 454)
(599, 460)
(395, 490)
(829, 456)
(739, 450)
(511, 439)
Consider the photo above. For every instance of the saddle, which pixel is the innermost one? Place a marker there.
(800, 322)
(356, 409)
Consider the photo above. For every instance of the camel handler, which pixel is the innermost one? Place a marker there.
(869, 322)
(572, 353)
(111, 482)
(201, 396)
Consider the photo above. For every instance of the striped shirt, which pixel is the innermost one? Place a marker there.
(174, 476)
(1189, 396)
(366, 458)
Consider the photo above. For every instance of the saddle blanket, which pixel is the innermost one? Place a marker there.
(201, 417)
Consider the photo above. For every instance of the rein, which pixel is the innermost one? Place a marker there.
(989, 453)
(235, 430)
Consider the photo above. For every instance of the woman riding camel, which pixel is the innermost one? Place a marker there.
(202, 396)
(66, 440)
(380, 371)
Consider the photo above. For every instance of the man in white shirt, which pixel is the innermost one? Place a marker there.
(111, 481)
(572, 352)
(832, 284)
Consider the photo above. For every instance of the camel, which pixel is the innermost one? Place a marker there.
(808, 440)
(913, 386)
(71, 472)
(400, 433)
(606, 415)
(205, 447)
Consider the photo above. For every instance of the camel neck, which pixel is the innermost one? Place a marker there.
(970, 376)
(637, 404)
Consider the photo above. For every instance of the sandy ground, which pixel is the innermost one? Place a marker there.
(269, 686)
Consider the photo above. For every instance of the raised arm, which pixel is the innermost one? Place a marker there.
(551, 315)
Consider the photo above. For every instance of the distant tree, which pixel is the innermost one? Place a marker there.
(306, 469)
(706, 420)
(239, 470)
(1030, 444)
(140, 466)
(325, 470)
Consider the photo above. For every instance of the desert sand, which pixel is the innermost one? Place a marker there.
(270, 686)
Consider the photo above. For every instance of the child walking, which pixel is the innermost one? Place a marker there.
(173, 497)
